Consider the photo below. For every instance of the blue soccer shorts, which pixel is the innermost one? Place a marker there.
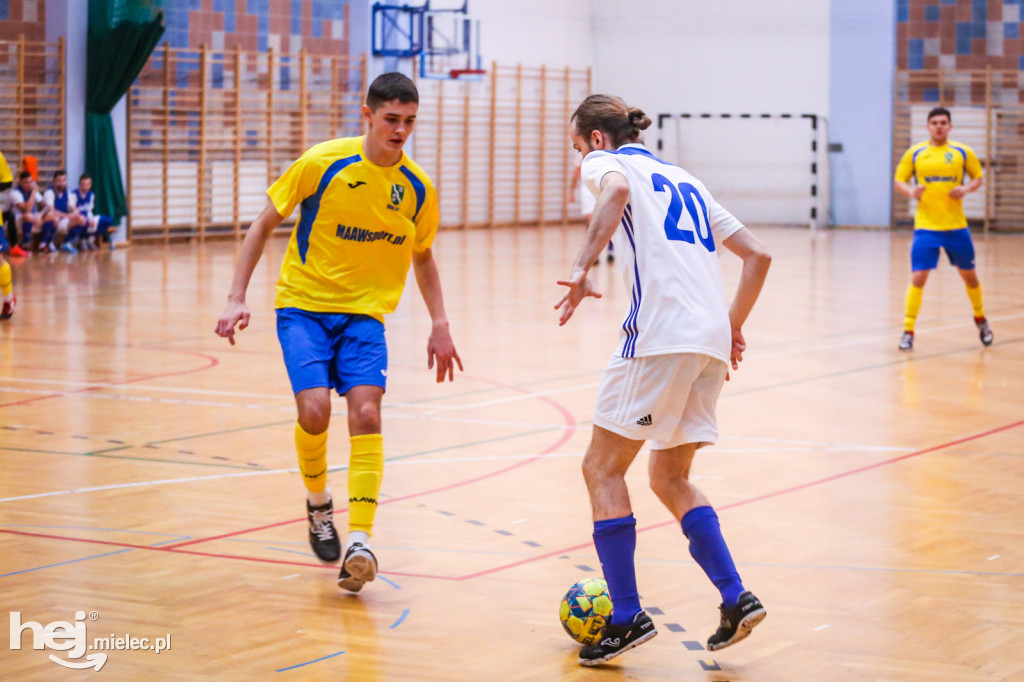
(924, 252)
(336, 350)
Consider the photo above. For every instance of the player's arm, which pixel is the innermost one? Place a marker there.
(756, 261)
(607, 214)
(236, 311)
(972, 167)
(440, 345)
(904, 172)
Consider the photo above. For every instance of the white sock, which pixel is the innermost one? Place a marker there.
(319, 499)
(360, 536)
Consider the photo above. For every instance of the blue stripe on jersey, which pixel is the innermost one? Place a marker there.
(633, 151)
(962, 152)
(629, 325)
(913, 160)
(311, 205)
(418, 187)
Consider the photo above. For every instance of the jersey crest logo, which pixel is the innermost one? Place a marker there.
(397, 193)
(949, 157)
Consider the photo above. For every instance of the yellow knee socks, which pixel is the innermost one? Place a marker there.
(912, 305)
(312, 452)
(365, 471)
(5, 278)
(975, 296)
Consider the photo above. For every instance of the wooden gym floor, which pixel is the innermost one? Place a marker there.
(871, 498)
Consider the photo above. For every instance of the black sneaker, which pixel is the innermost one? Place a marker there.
(618, 638)
(737, 621)
(359, 568)
(323, 538)
(907, 341)
(985, 332)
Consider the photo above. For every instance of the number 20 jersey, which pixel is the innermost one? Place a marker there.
(667, 246)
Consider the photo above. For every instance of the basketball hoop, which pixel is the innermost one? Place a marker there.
(458, 73)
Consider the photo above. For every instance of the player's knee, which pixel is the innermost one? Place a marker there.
(366, 418)
(315, 418)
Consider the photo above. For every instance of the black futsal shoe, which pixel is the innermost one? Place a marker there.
(616, 639)
(323, 537)
(359, 568)
(737, 622)
(985, 332)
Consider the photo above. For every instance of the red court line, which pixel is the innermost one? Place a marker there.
(212, 362)
(172, 548)
(766, 496)
(567, 433)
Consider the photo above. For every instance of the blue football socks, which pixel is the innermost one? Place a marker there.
(708, 549)
(615, 540)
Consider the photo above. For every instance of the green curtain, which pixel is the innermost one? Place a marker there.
(122, 35)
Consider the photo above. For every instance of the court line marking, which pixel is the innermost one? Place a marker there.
(397, 461)
(211, 362)
(401, 618)
(315, 660)
(766, 496)
(176, 548)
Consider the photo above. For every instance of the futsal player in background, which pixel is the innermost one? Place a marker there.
(939, 166)
(6, 287)
(367, 211)
(663, 381)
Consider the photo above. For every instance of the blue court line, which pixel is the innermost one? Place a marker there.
(308, 555)
(315, 660)
(106, 530)
(394, 585)
(94, 556)
(400, 619)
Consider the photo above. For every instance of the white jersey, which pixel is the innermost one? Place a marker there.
(667, 246)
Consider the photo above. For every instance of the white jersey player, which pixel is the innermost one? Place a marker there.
(677, 341)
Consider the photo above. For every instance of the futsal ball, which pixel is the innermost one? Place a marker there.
(585, 609)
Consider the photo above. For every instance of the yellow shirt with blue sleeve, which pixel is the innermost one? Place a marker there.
(5, 171)
(358, 226)
(939, 168)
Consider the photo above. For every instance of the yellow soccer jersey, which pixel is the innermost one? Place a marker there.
(5, 171)
(939, 169)
(358, 228)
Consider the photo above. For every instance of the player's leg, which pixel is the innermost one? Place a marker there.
(604, 469)
(669, 470)
(47, 231)
(924, 257)
(960, 249)
(360, 367)
(306, 348)
(21, 234)
(6, 290)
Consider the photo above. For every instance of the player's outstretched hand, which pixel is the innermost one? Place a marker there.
(235, 312)
(441, 347)
(919, 191)
(957, 192)
(579, 288)
(739, 344)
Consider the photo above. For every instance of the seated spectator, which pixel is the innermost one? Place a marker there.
(29, 211)
(62, 215)
(96, 227)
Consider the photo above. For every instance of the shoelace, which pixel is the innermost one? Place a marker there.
(323, 525)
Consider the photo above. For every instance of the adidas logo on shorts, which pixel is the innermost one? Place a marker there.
(645, 421)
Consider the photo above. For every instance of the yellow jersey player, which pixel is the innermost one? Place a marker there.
(367, 211)
(940, 166)
(6, 289)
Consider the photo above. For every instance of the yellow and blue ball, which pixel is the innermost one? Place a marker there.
(585, 609)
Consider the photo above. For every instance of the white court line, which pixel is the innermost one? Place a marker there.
(524, 396)
(334, 469)
(822, 444)
(820, 627)
(871, 339)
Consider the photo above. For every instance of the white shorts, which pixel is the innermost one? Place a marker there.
(587, 201)
(666, 399)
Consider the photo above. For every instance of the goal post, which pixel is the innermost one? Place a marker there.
(763, 168)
